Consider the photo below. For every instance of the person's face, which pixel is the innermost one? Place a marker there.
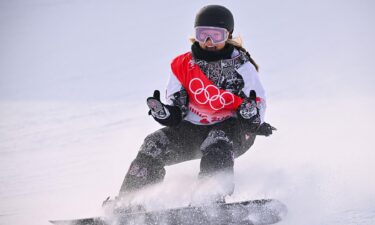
(210, 46)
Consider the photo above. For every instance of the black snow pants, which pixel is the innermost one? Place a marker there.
(216, 145)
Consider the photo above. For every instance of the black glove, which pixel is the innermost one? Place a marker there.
(265, 129)
(248, 112)
(166, 115)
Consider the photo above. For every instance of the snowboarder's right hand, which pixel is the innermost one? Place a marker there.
(166, 115)
(248, 112)
(157, 108)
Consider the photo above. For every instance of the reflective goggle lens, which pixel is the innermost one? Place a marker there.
(216, 34)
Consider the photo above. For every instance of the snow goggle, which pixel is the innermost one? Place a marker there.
(216, 34)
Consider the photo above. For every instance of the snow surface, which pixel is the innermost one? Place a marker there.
(74, 76)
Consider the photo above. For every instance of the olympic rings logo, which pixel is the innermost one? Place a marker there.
(210, 94)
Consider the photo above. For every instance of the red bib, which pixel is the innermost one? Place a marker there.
(205, 99)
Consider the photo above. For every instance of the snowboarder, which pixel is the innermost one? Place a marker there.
(214, 109)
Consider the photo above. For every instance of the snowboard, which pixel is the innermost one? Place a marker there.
(253, 212)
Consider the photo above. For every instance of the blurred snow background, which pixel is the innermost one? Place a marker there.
(74, 76)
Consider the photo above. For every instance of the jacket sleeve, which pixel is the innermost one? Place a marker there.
(176, 94)
(252, 82)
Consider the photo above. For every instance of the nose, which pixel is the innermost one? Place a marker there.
(208, 41)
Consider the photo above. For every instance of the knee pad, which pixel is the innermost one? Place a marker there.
(155, 145)
(213, 138)
(217, 152)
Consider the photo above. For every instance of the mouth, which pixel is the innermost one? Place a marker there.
(210, 48)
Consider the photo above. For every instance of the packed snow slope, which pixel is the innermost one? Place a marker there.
(74, 76)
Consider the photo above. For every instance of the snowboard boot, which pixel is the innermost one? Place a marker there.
(109, 204)
(220, 199)
(119, 205)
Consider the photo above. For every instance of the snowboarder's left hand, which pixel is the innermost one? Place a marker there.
(265, 129)
(248, 112)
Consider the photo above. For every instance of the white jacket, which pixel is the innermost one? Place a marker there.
(251, 82)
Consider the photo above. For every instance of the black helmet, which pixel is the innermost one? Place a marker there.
(215, 16)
